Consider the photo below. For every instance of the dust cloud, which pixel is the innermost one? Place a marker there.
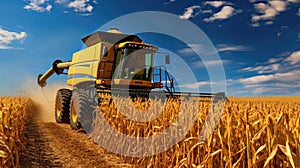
(44, 98)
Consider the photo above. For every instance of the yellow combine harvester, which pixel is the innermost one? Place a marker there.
(112, 63)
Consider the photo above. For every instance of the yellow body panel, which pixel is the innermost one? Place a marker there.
(74, 81)
(84, 65)
(87, 54)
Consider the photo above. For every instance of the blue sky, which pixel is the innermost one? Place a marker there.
(258, 41)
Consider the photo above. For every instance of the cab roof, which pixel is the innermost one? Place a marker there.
(113, 38)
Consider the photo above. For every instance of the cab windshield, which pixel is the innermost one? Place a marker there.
(133, 63)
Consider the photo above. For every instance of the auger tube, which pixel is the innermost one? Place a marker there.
(57, 67)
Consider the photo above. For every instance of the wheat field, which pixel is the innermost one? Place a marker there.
(14, 114)
(252, 132)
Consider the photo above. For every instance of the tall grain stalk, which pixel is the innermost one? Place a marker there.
(14, 114)
(252, 132)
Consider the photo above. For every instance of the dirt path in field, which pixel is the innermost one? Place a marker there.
(55, 145)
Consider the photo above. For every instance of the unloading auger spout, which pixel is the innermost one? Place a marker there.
(57, 67)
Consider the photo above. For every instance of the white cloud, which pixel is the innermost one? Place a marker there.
(215, 4)
(274, 84)
(225, 47)
(61, 1)
(225, 13)
(189, 12)
(6, 38)
(210, 63)
(86, 14)
(207, 11)
(293, 1)
(186, 51)
(274, 88)
(284, 54)
(294, 58)
(284, 63)
(3, 47)
(284, 27)
(255, 24)
(80, 6)
(280, 6)
(208, 50)
(274, 60)
(291, 76)
(197, 85)
(38, 5)
(261, 90)
(251, 69)
(298, 12)
(204, 49)
(252, 1)
(280, 75)
(268, 10)
(170, 1)
(269, 22)
(49, 7)
(263, 69)
(279, 34)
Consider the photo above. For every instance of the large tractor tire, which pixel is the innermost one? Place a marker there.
(81, 110)
(62, 105)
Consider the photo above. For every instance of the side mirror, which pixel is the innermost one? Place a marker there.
(167, 59)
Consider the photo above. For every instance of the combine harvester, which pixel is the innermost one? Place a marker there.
(113, 64)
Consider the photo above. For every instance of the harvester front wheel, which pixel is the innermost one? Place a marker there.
(81, 110)
(75, 108)
(62, 105)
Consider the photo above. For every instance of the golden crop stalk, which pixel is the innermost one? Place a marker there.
(14, 113)
(252, 132)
